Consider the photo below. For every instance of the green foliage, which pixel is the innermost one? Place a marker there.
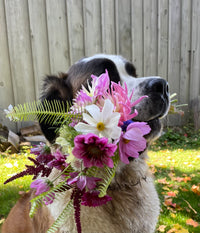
(174, 138)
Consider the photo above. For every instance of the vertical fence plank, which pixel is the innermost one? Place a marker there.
(163, 17)
(92, 27)
(185, 53)
(150, 37)
(58, 35)
(75, 28)
(6, 89)
(124, 29)
(137, 35)
(174, 52)
(108, 26)
(195, 64)
(39, 41)
(20, 50)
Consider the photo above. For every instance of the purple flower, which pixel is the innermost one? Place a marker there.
(94, 151)
(132, 141)
(59, 161)
(92, 199)
(82, 181)
(40, 185)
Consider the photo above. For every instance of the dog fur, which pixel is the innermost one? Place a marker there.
(135, 203)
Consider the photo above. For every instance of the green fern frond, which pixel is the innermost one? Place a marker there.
(68, 210)
(108, 176)
(50, 112)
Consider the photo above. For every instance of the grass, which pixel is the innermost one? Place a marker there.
(175, 163)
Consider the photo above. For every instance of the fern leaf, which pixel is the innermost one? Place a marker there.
(50, 112)
(108, 176)
(68, 210)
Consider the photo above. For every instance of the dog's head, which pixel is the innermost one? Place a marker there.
(150, 109)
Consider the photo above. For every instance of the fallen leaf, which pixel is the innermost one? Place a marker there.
(178, 229)
(163, 181)
(191, 222)
(161, 228)
(171, 194)
(196, 189)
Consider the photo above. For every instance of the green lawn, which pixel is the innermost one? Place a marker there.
(175, 163)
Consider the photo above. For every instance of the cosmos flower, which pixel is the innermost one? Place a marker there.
(102, 123)
(94, 151)
(132, 141)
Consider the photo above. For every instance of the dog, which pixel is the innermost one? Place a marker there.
(135, 204)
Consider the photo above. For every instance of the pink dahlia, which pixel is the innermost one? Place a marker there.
(94, 151)
(82, 181)
(132, 141)
(122, 101)
(92, 199)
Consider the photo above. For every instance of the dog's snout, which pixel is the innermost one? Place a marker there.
(159, 86)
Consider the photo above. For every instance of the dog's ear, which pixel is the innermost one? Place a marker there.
(55, 88)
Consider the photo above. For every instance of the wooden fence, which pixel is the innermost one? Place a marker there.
(38, 37)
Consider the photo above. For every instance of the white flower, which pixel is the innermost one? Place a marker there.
(103, 124)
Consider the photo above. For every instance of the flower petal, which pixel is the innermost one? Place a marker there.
(94, 111)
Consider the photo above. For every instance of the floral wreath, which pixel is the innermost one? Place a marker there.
(96, 134)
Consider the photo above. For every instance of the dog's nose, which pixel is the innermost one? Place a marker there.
(159, 85)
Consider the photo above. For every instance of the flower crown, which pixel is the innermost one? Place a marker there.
(98, 135)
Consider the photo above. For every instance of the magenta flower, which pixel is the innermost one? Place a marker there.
(94, 151)
(132, 141)
(59, 161)
(40, 185)
(92, 199)
(82, 181)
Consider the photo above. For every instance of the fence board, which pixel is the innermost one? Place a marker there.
(150, 37)
(163, 17)
(39, 41)
(108, 26)
(6, 89)
(124, 29)
(92, 27)
(76, 30)
(185, 51)
(58, 35)
(137, 35)
(20, 50)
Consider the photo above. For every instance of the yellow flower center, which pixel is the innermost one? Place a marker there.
(126, 141)
(100, 126)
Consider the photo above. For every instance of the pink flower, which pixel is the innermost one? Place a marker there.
(43, 153)
(59, 161)
(40, 185)
(82, 181)
(123, 105)
(92, 199)
(94, 151)
(132, 141)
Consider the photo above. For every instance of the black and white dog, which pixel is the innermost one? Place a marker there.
(135, 204)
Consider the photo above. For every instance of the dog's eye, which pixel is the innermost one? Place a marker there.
(130, 69)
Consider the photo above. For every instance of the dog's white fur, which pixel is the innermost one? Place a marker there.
(135, 203)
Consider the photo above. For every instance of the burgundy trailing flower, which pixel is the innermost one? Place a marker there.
(58, 161)
(92, 199)
(94, 151)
